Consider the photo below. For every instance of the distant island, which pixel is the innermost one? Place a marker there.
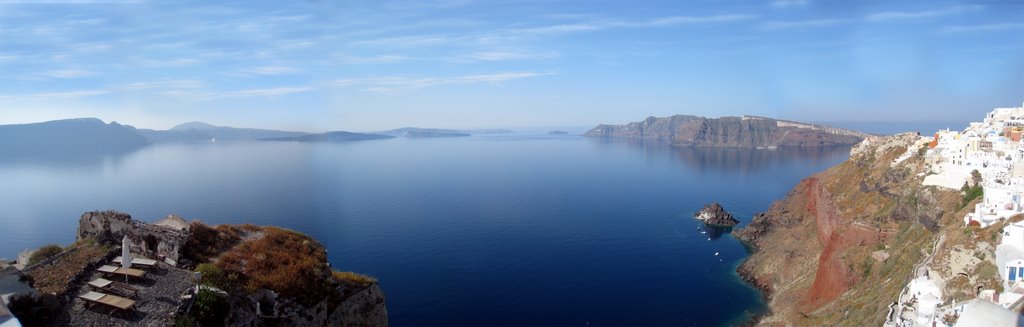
(331, 137)
(199, 131)
(415, 132)
(69, 137)
(731, 132)
(557, 132)
(92, 136)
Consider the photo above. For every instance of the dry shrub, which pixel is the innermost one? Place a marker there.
(207, 242)
(284, 261)
(44, 253)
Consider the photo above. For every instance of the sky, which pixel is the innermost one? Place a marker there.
(375, 65)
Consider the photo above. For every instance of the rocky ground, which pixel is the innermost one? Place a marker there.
(159, 296)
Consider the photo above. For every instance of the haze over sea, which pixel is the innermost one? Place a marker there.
(507, 229)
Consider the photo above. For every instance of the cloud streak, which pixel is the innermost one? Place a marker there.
(45, 96)
(393, 84)
(983, 28)
(902, 15)
(778, 25)
(245, 93)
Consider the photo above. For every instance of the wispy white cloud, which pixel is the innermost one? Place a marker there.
(269, 70)
(246, 93)
(174, 62)
(58, 74)
(70, 2)
(161, 84)
(983, 28)
(789, 3)
(904, 15)
(375, 59)
(53, 95)
(499, 36)
(775, 25)
(511, 55)
(68, 73)
(685, 20)
(407, 41)
(393, 84)
(615, 23)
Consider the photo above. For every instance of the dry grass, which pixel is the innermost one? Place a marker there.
(54, 276)
(348, 277)
(206, 243)
(44, 253)
(284, 261)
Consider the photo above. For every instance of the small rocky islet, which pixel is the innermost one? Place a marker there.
(714, 214)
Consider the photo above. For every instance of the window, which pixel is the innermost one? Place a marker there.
(1013, 273)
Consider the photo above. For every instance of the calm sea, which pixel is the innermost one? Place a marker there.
(485, 230)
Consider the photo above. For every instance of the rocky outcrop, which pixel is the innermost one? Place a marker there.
(282, 277)
(812, 250)
(734, 132)
(714, 214)
(360, 307)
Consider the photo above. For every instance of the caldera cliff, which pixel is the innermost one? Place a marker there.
(733, 132)
(839, 248)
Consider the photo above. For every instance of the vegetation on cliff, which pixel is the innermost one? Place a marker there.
(249, 258)
(840, 247)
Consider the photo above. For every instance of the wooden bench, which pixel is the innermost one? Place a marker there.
(113, 301)
(118, 288)
(140, 262)
(121, 271)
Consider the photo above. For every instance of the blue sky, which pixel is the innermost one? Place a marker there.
(372, 65)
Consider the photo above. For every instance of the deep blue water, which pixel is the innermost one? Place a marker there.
(495, 230)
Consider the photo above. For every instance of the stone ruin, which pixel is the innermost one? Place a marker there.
(163, 240)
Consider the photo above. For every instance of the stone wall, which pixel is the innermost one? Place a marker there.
(147, 239)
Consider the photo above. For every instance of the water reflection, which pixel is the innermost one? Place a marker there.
(54, 158)
(714, 231)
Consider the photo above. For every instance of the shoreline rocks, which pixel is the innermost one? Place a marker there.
(715, 214)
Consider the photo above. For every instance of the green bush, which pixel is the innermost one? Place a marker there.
(44, 253)
(210, 308)
(866, 266)
(212, 276)
(970, 194)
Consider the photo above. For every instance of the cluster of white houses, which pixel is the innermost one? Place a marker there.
(992, 150)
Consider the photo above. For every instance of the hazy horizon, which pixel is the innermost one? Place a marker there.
(877, 127)
(366, 66)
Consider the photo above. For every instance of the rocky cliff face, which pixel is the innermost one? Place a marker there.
(736, 132)
(359, 307)
(813, 248)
